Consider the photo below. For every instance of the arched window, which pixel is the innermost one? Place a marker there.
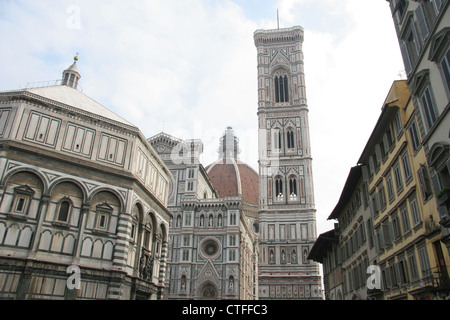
(281, 88)
(290, 138)
(292, 187)
(63, 211)
(276, 139)
(279, 187)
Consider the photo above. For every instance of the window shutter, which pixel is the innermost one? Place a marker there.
(436, 185)
(376, 236)
(438, 4)
(397, 273)
(417, 42)
(378, 152)
(391, 231)
(385, 143)
(365, 173)
(406, 60)
(423, 23)
(363, 232)
(381, 238)
(388, 277)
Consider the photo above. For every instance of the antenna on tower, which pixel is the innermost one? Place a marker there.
(278, 20)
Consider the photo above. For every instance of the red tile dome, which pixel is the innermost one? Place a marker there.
(231, 177)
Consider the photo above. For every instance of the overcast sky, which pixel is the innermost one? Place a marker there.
(188, 68)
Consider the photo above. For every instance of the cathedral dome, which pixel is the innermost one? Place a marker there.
(231, 177)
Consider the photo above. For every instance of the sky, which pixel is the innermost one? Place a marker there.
(188, 68)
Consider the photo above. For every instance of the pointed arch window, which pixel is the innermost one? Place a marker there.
(279, 187)
(276, 139)
(292, 188)
(290, 138)
(281, 88)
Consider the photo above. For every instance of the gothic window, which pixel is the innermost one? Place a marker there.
(293, 188)
(186, 241)
(290, 138)
(279, 187)
(232, 255)
(281, 88)
(185, 256)
(276, 139)
(232, 240)
(233, 219)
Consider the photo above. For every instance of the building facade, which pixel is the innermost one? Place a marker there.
(286, 196)
(423, 31)
(213, 235)
(356, 246)
(74, 197)
(397, 217)
(403, 207)
(325, 251)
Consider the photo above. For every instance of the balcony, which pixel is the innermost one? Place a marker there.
(438, 279)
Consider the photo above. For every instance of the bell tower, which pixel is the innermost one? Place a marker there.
(286, 209)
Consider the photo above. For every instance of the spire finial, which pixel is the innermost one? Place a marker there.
(76, 57)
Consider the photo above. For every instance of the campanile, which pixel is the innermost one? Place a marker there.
(287, 214)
